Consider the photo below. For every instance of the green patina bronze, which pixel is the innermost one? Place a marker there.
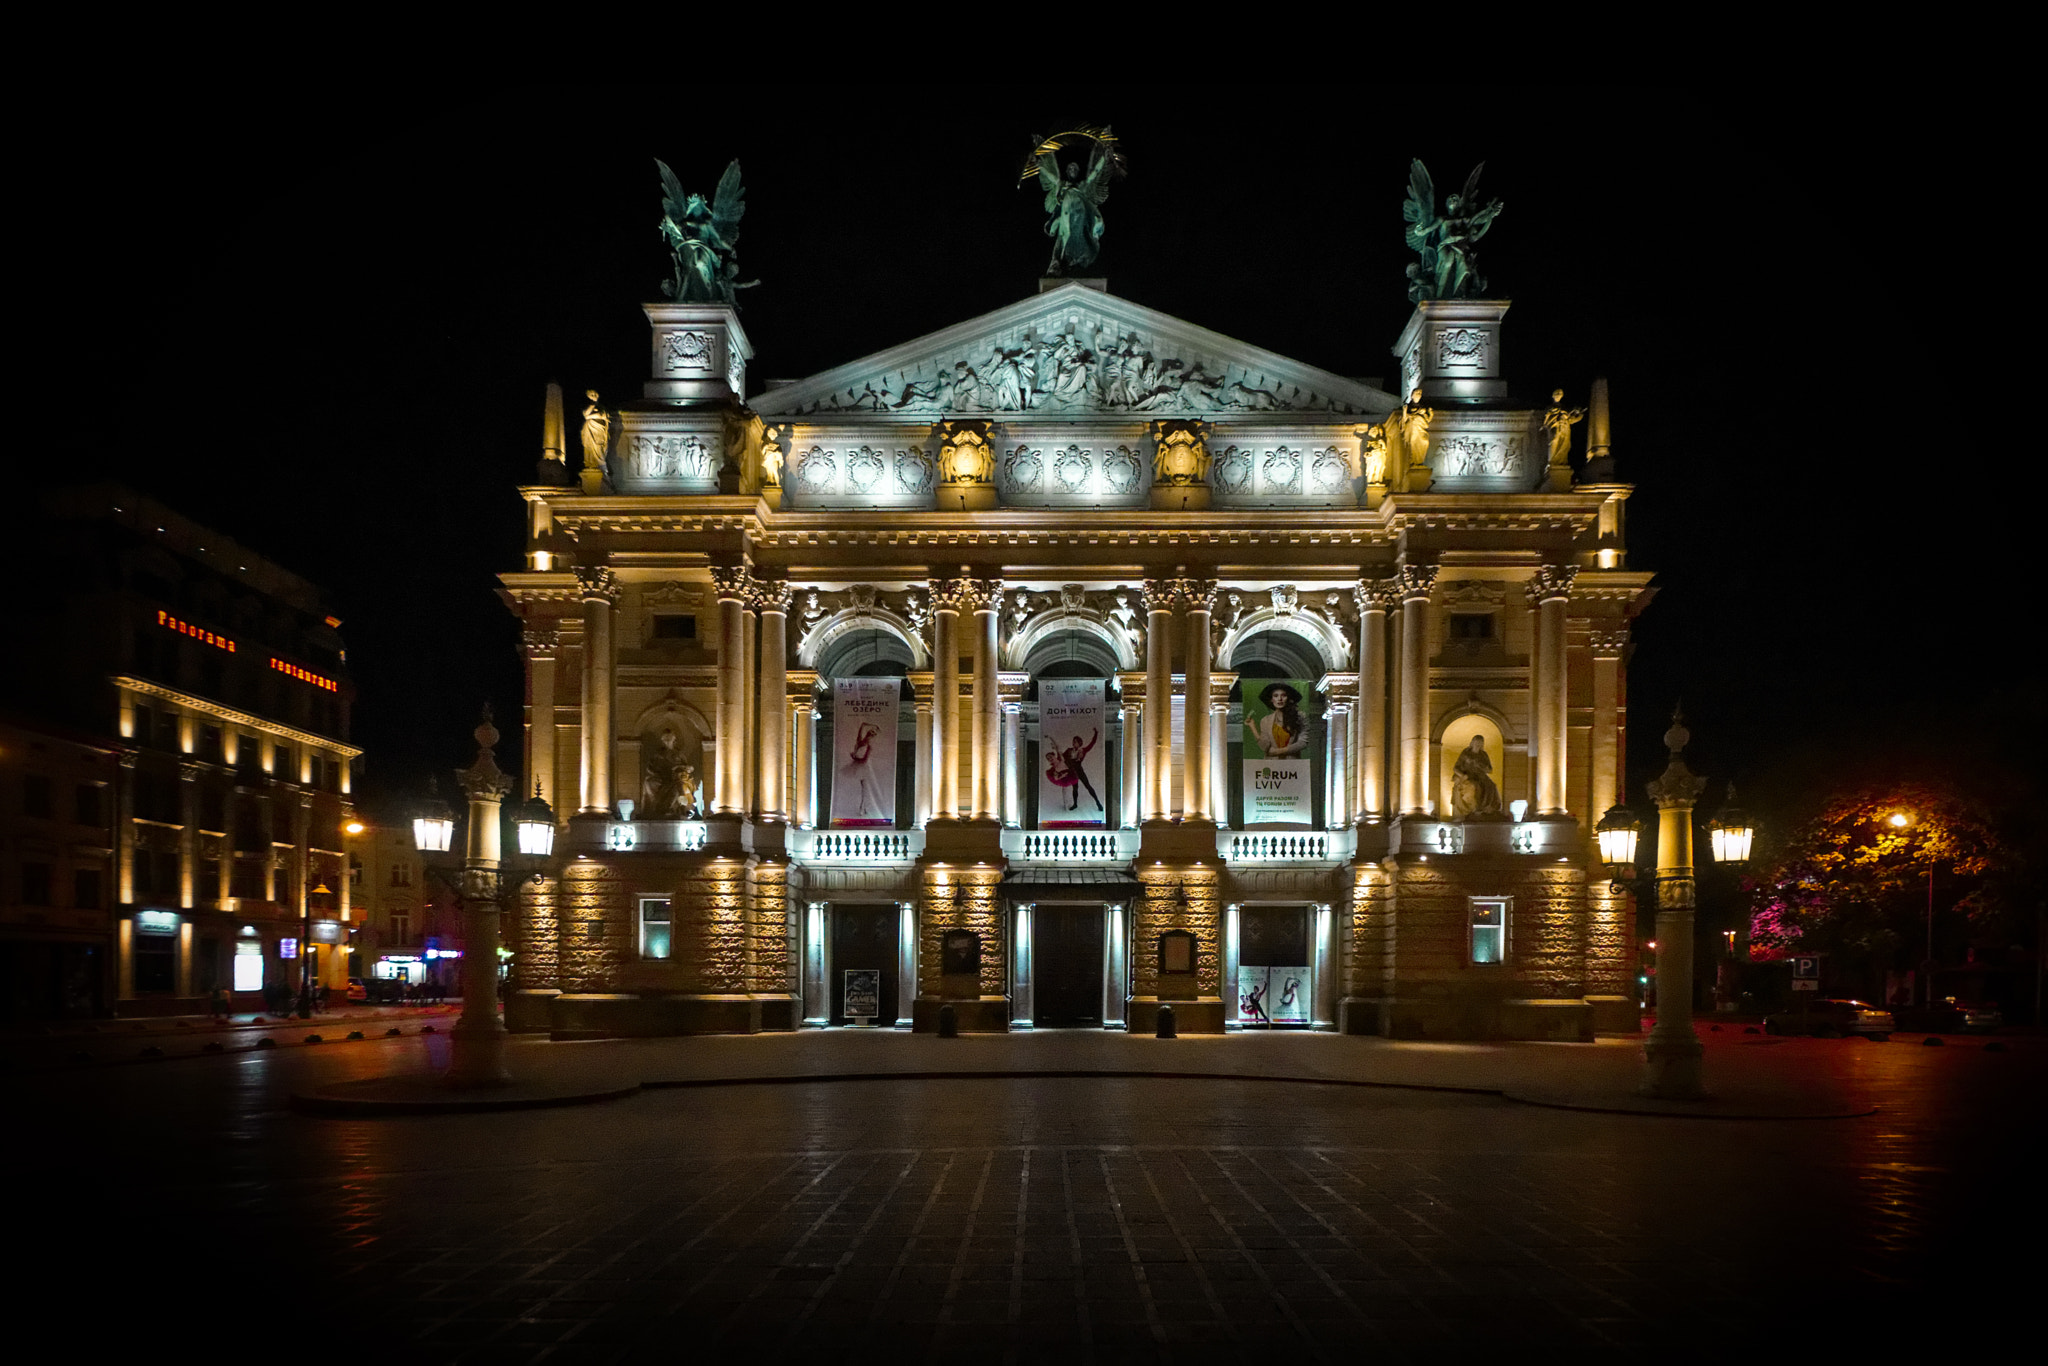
(702, 239)
(1073, 196)
(1446, 270)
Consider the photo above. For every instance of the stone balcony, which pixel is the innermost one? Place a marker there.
(1074, 848)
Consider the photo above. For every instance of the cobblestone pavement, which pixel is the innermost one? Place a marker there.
(1021, 1220)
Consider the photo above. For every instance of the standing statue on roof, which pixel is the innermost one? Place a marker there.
(1073, 197)
(702, 239)
(1446, 270)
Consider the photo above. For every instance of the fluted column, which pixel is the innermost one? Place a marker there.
(803, 730)
(750, 770)
(1604, 772)
(772, 598)
(1161, 595)
(1131, 708)
(538, 644)
(925, 767)
(1375, 598)
(1549, 590)
(599, 589)
(1339, 692)
(1415, 584)
(1013, 754)
(728, 795)
(947, 600)
(1220, 684)
(1199, 597)
(986, 767)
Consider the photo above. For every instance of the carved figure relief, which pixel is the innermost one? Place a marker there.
(817, 469)
(1234, 470)
(864, 469)
(1460, 348)
(1120, 470)
(668, 783)
(1283, 471)
(671, 456)
(1373, 447)
(1477, 457)
(1024, 470)
(686, 351)
(1331, 471)
(964, 453)
(1072, 468)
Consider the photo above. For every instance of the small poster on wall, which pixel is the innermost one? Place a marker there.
(1272, 996)
(864, 752)
(1276, 766)
(863, 993)
(1070, 782)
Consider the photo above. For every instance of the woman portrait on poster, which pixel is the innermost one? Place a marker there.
(1282, 733)
(858, 775)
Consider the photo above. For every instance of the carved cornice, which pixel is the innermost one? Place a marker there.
(241, 719)
(1415, 581)
(771, 595)
(1377, 595)
(730, 581)
(1551, 581)
(597, 585)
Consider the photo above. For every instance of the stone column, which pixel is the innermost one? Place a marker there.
(188, 837)
(987, 759)
(948, 597)
(1375, 598)
(1549, 590)
(926, 768)
(1161, 595)
(1199, 597)
(1220, 684)
(599, 590)
(124, 832)
(1671, 1055)
(1013, 759)
(1131, 706)
(1415, 583)
(803, 730)
(728, 787)
(749, 770)
(539, 643)
(773, 598)
(1339, 691)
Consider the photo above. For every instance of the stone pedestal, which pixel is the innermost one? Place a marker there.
(1450, 350)
(965, 497)
(1180, 497)
(700, 353)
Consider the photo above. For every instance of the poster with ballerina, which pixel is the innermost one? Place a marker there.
(1071, 753)
(864, 753)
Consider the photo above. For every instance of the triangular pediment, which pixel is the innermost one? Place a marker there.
(1074, 351)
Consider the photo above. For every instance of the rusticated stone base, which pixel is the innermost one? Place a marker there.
(988, 1015)
(1189, 1017)
(1616, 1015)
(623, 1016)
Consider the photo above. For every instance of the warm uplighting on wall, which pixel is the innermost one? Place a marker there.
(1899, 820)
(186, 628)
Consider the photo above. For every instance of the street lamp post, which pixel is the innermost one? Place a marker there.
(477, 1052)
(1672, 1054)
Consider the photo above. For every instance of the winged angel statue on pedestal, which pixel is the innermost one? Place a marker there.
(702, 239)
(1446, 268)
(1074, 199)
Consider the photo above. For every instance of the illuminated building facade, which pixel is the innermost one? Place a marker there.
(218, 684)
(1071, 662)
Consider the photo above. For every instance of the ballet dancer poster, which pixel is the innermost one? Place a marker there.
(1070, 753)
(864, 752)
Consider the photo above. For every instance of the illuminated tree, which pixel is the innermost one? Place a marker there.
(1857, 877)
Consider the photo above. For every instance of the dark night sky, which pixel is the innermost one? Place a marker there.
(324, 329)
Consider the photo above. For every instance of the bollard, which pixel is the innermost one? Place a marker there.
(1165, 1030)
(949, 1022)
(1933, 1041)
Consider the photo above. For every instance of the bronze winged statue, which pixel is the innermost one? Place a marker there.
(1073, 198)
(703, 239)
(1446, 270)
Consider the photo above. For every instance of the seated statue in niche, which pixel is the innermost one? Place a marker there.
(668, 783)
(1473, 792)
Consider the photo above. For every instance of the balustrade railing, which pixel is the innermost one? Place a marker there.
(1285, 846)
(1070, 846)
(857, 846)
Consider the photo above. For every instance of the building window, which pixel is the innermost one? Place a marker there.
(672, 626)
(210, 743)
(1489, 940)
(401, 875)
(1471, 626)
(35, 795)
(85, 889)
(401, 927)
(35, 884)
(655, 938)
(88, 808)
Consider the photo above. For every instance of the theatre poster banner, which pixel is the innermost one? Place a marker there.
(1272, 995)
(1070, 782)
(1276, 766)
(864, 752)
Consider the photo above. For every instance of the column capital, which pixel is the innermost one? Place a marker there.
(1130, 687)
(1010, 684)
(1340, 688)
(539, 642)
(730, 581)
(801, 683)
(597, 585)
(1550, 581)
(1377, 595)
(770, 595)
(1196, 595)
(1221, 681)
(189, 772)
(982, 595)
(955, 595)
(1415, 581)
(1608, 642)
(1161, 595)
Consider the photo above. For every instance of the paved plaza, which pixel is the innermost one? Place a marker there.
(1033, 1217)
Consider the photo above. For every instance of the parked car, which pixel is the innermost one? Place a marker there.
(1976, 1017)
(1829, 1019)
(356, 990)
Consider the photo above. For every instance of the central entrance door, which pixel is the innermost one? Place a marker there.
(865, 937)
(1066, 950)
(1273, 978)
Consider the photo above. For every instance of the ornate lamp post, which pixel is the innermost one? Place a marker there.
(478, 1047)
(1672, 1054)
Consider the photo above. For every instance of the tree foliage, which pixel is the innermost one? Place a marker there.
(1855, 876)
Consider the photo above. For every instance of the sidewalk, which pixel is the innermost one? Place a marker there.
(1749, 1077)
